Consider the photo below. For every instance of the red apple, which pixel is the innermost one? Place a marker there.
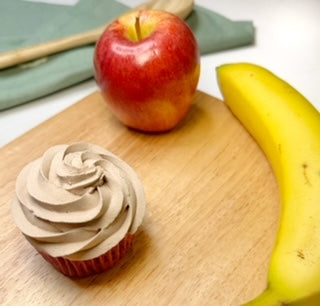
(147, 66)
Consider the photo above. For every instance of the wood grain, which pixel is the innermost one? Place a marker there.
(213, 208)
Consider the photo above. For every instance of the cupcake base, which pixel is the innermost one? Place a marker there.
(84, 268)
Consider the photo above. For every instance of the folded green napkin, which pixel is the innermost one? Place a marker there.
(24, 24)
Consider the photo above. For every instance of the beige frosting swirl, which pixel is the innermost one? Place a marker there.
(77, 201)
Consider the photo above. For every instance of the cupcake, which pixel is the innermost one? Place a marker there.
(79, 206)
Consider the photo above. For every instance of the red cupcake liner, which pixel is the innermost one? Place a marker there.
(84, 268)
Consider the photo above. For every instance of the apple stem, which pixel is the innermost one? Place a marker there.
(138, 28)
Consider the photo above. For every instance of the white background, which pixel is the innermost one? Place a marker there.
(287, 42)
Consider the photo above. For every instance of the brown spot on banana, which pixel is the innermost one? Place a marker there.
(305, 174)
(300, 254)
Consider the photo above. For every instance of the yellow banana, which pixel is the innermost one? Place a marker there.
(287, 128)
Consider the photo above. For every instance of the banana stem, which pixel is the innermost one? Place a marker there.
(266, 298)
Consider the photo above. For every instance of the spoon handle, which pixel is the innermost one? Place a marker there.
(11, 58)
(16, 57)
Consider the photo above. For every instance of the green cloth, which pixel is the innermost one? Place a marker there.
(24, 24)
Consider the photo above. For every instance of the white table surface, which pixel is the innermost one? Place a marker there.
(287, 43)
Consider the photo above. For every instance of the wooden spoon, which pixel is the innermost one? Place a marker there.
(11, 58)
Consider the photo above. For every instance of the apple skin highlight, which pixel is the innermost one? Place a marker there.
(148, 79)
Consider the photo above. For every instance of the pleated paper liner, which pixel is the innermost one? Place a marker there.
(80, 269)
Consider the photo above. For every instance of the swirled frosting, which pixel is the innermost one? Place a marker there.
(77, 201)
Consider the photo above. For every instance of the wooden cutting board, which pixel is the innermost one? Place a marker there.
(213, 209)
